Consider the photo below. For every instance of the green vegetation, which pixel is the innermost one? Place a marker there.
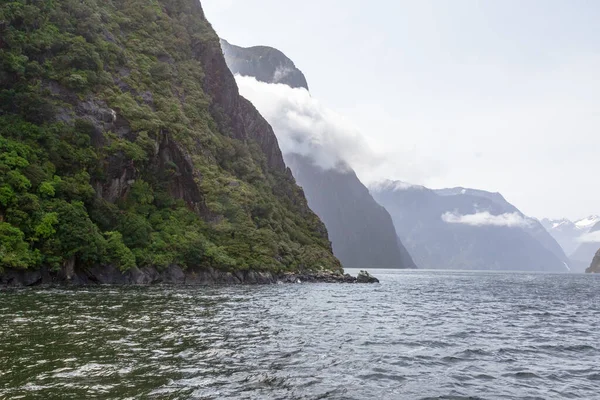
(101, 112)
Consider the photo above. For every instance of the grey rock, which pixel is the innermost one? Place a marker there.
(365, 277)
(172, 275)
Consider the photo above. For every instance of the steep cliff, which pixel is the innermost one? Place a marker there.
(124, 141)
(361, 231)
(467, 229)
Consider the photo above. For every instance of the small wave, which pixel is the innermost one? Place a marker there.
(382, 377)
(522, 375)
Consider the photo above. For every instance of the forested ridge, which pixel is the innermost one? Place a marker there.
(123, 141)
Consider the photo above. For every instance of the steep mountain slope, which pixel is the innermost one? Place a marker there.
(594, 267)
(124, 141)
(586, 250)
(467, 229)
(361, 231)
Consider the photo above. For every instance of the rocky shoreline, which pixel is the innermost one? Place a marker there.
(173, 275)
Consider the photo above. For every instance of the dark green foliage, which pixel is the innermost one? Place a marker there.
(101, 111)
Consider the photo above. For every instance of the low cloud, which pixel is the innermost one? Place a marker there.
(486, 219)
(304, 126)
(592, 237)
(395, 186)
(281, 73)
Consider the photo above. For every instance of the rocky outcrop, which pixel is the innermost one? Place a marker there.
(595, 266)
(173, 275)
(365, 277)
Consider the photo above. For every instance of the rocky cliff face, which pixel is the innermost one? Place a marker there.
(477, 242)
(361, 231)
(125, 141)
(595, 266)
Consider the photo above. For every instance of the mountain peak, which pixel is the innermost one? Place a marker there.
(588, 222)
(264, 63)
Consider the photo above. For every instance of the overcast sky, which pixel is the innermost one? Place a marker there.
(501, 95)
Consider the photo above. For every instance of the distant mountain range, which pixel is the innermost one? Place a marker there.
(361, 231)
(568, 233)
(577, 238)
(463, 228)
(456, 228)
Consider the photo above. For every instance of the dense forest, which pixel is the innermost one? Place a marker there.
(123, 141)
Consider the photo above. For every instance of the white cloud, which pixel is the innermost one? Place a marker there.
(591, 237)
(395, 186)
(486, 219)
(304, 126)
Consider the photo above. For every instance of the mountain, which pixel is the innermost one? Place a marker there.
(361, 231)
(462, 228)
(594, 268)
(567, 233)
(587, 223)
(587, 249)
(124, 142)
(570, 235)
(266, 64)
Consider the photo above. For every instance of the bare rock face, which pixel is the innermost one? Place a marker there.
(595, 266)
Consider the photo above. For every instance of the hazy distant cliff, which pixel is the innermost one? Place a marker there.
(124, 142)
(587, 249)
(361, 231)
(266, 64)
(467, 229)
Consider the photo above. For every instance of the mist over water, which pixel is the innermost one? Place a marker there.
(419, 334)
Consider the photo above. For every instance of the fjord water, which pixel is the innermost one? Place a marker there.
(418, 334)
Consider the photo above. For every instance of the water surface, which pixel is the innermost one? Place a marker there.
(419, 334)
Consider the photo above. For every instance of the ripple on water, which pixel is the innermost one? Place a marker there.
(419, 334)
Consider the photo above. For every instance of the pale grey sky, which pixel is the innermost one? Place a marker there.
(501, 95)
